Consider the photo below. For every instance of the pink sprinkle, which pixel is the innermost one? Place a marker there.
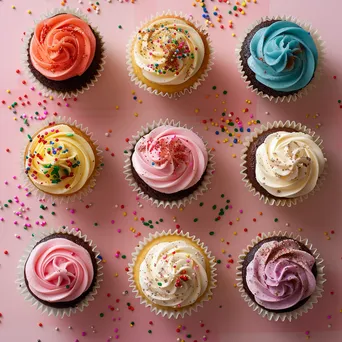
(72, 211)
(117, 336)
(116, 330)
(227, 266)
(241, 211)
(2, 219)
(14, 177)
(37, 222)
(77, 229)
(307, 332)
(112, 221)
(84, 333)
(32, 88)
(15, 222)
(72, 222)
(119, 230)
(6, 183)
(134, 212)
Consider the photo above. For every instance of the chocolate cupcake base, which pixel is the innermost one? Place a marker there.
(82, 243)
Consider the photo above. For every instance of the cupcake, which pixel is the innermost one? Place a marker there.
(169, 55)
(283, 163)
(280, 276)
(61, 161)
(172, 273)
(60, 272)
(279, 58)
(168, 164)
(64, 55)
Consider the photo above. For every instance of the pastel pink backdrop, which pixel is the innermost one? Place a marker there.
(234, 321)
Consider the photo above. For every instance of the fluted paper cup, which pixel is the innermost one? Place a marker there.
(58, 312)
(291, 315)
(201, 189)
(244, 165)
(43, 88)
(172, 312)
(319, 67)
(90, 184)
(209, 49)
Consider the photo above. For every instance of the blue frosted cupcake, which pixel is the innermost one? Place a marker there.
(279, 58)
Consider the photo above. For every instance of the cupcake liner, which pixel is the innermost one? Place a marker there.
(282, 201)
(47, 91)
(202, 188)
(318, 72)
(178, 94)
(171, 313)
(21, 285)
(291, 315)
(79, 195)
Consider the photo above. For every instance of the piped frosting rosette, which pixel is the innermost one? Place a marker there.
(280, 276)
(169, 49)
(169, 160)
(58, 271)
(290, 166)
(62, 46)
(174, 276)
(286, 56)
(61, 161)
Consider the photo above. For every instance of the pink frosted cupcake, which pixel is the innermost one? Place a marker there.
(169, 164)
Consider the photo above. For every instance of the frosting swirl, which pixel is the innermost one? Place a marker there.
(288, 164)
(280, 275)
(169, 51)
(59, 270)
(62, 47)
(173, 274)
(170, 159)
(283, 56)
(59, 161)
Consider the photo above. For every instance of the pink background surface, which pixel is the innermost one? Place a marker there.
(234, 321)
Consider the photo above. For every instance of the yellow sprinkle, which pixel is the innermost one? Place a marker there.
(325, 233)
(181, 209)
(216, 124)
(9, 107)
(130, 228)
(238, 219)
(116, 275)
(8, 91)
(233, 34)
(243, 12)
(235, 285)
(255, 1)
(202, 4)
(13, 7)
(124, 213)
(235, 233)
(104, 261)
(328, 237)
(196, 110)
(230, 21)
(133, 92)
(206, 128)
(217, 95)
(215, 8)
(219, 20)
(194, 4)
(222, 239)
(133, 231)
(340, 310)
(136, 115)
(234, 155)
(231, 145)
(117, 107)
(300, 229)
(29, 11)
(15, 119)
(135, 218)
(243, 4)
(223, 251)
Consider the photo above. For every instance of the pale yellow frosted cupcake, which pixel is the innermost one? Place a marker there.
(61, 160)
(172, 273)
(169, 55)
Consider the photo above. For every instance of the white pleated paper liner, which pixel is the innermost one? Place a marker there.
(57, 312)
(244, 165)
(291, 315)
(319, 67)
(177, 94)
(91, 183)
(52, 92)
(171, 312)
(201, 189)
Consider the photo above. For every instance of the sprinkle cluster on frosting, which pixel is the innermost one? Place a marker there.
(169, 51)
(62, 47)
(288, 164)
(170, 159)
(173, 274)
(59, 270)
(283, 56)
(280, 275)
(59, 161)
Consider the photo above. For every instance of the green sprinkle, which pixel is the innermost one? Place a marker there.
(150, 331)
(151, 226)
(41, 217)
(211, 233)
(42, 206)
(258, 121)
(125, 151)
(160, 284)
(128, 304)
(132, 324)
(161, 220)
(276, 220)
(9, 201)
(230, 12)
(67, 286)
(214, 87)
(101, 314)
(188, 335)
(225, 92)
(30, 138)
(123, 256)
(339, 101)
(235, 8)
(201, 204)
(228, 201)
(53, 213)
(218, 261)
(214, 206)
(146, 224)
(6, 205)
(96, 224)
(69, 134)
(21, 129)
(53, 204)
(195, 219)
(120, 27)
(222, 195)
(226, 207)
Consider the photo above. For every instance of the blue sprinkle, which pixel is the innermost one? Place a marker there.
(99, 257)
(153, 163)
(217, 132)
(215, 13)
(248, 129)
(134, 97)
(235, 141)
(241, 129)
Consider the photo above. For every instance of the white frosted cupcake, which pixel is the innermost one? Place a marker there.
(172, 273)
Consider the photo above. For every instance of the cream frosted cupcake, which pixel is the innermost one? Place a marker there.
(169, 165)
(60, 272)
(169, 55)
(61, 161)
(283, 163)
(280, 276)
(172, 273)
